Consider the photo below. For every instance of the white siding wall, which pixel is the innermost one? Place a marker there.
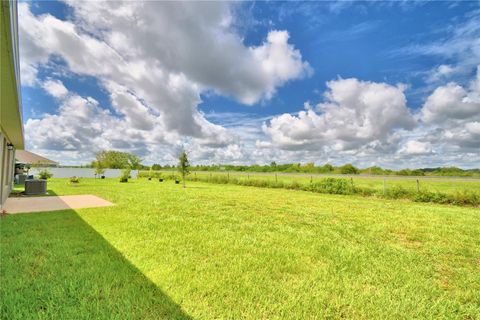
(3, 192)
(7, 164)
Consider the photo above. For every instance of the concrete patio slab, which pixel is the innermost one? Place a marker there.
(37, 204)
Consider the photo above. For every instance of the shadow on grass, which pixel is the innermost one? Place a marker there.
(54, 265)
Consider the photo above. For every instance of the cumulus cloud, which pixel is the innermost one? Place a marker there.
(155, 59)
(82, 127)
(55, 88)
(453, 102)
(413, 147)
(201, 43)
(365, 122)
(355, 113)
(452, 115)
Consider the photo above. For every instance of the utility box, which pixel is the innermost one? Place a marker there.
(36, 186)
(20, 178)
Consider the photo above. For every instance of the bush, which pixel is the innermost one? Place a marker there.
(74, 179)
(149, 174)
(44, 174)
(398, 192)
(169, 176)
(125, 175)
(427, 196)
(293, 186)
(465, 197)
(333, 186)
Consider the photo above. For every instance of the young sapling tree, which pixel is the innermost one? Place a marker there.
(183, 166)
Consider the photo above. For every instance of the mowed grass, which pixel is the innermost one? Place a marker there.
(232, 252)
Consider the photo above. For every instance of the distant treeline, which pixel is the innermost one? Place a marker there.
(119, 160)
(329, 169)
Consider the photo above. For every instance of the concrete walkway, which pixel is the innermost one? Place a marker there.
(37, 204)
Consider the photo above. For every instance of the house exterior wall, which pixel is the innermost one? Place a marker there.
(7, 162)
(11, 127)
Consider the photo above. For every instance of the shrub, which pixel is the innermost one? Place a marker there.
(277, 184)
(221, 179)
(294, 185)
(333, 186)
(44, 174)
(74, 179)
(398, 192)
(149, 174)
(427, 196)
(465, 197)
(125, 175)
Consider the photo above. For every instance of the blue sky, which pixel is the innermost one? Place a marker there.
(316, 61)
(364, 41)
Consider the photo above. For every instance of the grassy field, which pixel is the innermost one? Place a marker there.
(233, 252)
(434, 184)
(454, 191)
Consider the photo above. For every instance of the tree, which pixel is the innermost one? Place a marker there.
(309, 167)
(134, 162)
(183, 166)
(117, 160)
(328, 167)
(156, 166)
(348, 169)
(99, 170)
(376, 170)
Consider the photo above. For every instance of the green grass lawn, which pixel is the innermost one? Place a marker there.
(232, 252)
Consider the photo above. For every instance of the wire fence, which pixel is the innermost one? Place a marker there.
(381, 184)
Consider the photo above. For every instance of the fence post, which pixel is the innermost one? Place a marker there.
(311, 179)
(418, 186)
(276, 179)
(384, 186)
(228, 176)
(351, 179)
(210, 177)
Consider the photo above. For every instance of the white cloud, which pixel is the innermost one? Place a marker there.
(452, 114)
(155, 59)
(442, 72)
(369, 123)
(413, 147)
(201, 43)
(355, 113)
(28, 74)
(55, 88)
(82, 127)
(453, 102)
(460, 46)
